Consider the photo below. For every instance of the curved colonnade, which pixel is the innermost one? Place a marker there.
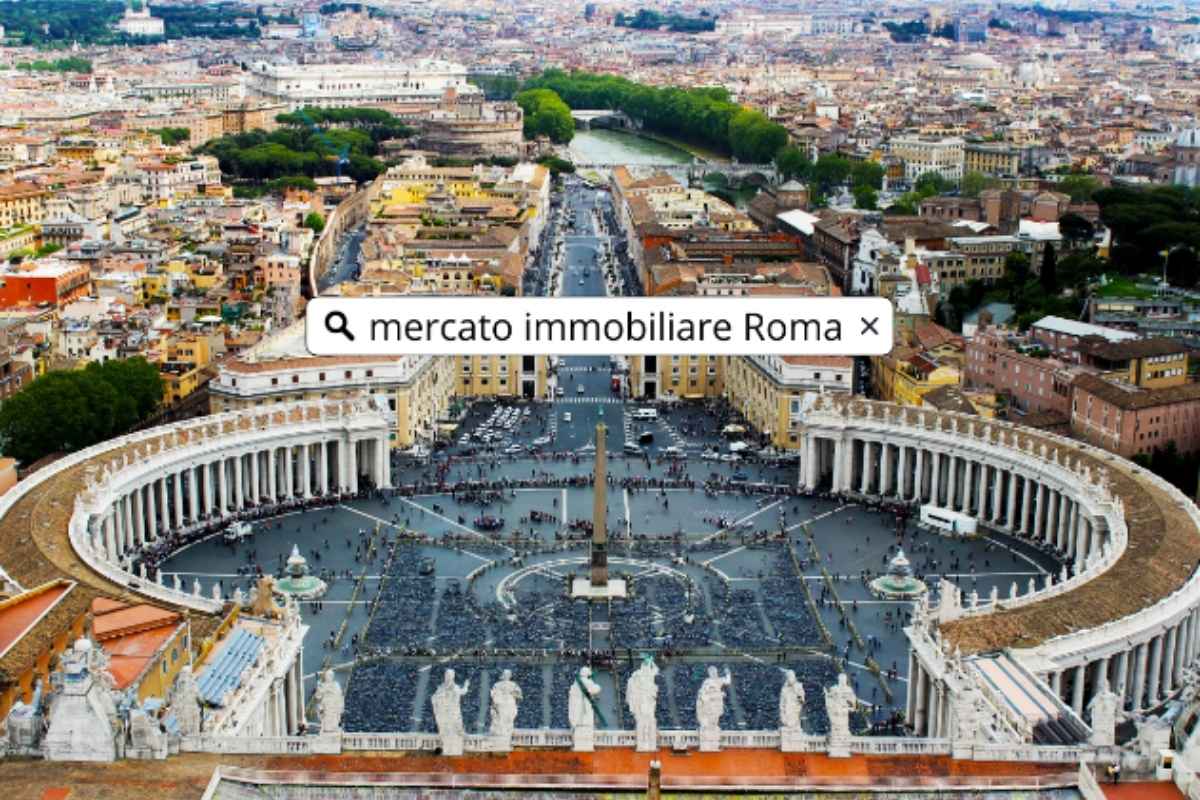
(1124, 612)
(1123, 616)
(176, 480)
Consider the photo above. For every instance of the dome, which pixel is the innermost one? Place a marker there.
(1189, 138)
(977, 61)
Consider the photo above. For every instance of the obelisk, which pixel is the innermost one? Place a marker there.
(600, 512)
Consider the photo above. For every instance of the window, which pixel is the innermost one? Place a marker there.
(349, 374)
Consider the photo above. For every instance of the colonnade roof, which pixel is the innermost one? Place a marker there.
(35, 548)
(1163, 551)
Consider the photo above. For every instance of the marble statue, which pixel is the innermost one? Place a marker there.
(24, 724)
(505, 695)
(791, 713)
(641, 694)
(330, 703)
(840, 700)
(791, 702)
(185, 703)
(147, 739)
(447, 713)
(84, 723)
(710, 706)
(580, 710)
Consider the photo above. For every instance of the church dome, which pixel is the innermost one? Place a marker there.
(977, 61)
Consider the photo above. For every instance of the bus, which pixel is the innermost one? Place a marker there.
(947, 521)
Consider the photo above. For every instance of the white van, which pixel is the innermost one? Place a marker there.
(647, 414)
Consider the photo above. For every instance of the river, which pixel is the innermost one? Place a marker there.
(607, 147)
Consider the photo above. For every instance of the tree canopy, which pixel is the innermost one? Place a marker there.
(703, 116)
(173, 136)
(1145, 223)
(650, 20)
(310, 144)
(546, 115)
(66, 410)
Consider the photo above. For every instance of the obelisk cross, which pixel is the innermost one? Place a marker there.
(600, 512)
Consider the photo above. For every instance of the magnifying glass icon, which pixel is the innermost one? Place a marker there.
(336, 322)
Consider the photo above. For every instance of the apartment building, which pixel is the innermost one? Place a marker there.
(921, 154)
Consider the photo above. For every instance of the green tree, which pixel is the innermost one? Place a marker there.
(314, 222)
(792, 162)
(66, 410)
(929, 184)
(546, 115)
(830, 172)
(1079, 186)
(866, 173)
(1049, 273)
(865, 198)
(975, 182)
(1076, 229)
(1182, 268)
(173, 136)
(1016, 271)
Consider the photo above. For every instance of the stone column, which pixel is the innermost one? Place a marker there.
(164, 508)
(865, 482)
(193, 493)
(210, 488)
(323, 467)
(110, 537)
(255, 479)
(272, 475)
(385, 462)
(1077, 689)
(305, 472)
(1039, 505)
(1168, 673)
(152, 510)
(1056, 684)
(952, 483)
(352, 462)
(1010, 514)
(914, 679)
(1027, 490)
(127, 533)
(935, 709)
(289, 473)
(1156, 654)
(1064, 521)
(1050, 523)
(177, 497)
(239, 482)
(1081, 539)
(918, 492)
(935, 471)
(1122, 682)
(1139, 676)
(997, 476)
(885, 470)
(968, 483)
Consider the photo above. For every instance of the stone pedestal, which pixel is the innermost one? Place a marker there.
(839, 746)
(647, 740)
(583, 739)
(499, 743)
(792, 741)
(452, 745)
(710, 741)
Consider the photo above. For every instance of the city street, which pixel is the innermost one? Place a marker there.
(345, 265)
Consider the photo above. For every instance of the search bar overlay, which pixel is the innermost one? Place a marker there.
(596, 326)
